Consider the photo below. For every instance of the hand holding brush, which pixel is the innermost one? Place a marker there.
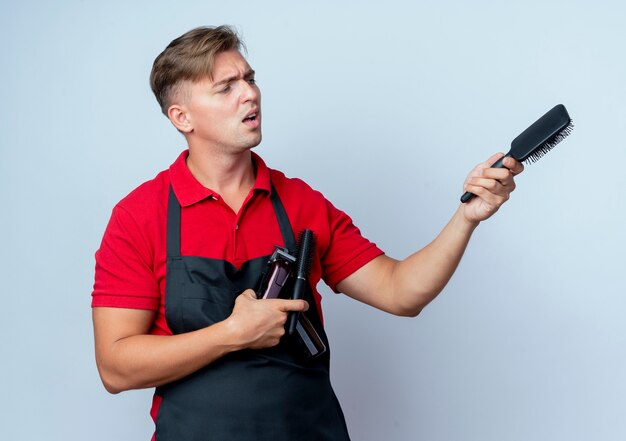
(536, 140)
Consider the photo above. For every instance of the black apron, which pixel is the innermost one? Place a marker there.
(260, 395)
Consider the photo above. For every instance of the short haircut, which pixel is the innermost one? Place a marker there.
(189, 58)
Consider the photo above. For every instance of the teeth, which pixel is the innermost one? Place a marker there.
(251, 117)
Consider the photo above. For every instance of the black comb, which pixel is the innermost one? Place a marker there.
(537, 140)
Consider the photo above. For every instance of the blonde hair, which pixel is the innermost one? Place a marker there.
(189, 58)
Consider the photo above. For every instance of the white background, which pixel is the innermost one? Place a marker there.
(384, 107)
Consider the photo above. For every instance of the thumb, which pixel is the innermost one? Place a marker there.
(492, 159)
(488, 163)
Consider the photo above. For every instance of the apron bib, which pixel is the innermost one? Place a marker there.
(260, 395)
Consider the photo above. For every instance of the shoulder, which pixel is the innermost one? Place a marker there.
(303, 203)
(137, 223)
(148, 200)
(306, 207)
(290, 187)
(139, 219)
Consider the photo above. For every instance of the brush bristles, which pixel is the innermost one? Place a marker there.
(305, 252)
(549, 144)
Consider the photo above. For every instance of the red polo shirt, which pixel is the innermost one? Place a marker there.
(130, 264)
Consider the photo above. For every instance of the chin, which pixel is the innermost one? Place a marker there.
(255, 143)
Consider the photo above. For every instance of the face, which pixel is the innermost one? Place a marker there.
(224, 113)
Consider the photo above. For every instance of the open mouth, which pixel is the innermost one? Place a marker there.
(253, 120)
(251, 117)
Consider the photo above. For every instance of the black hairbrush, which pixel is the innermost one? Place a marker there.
(537, 140)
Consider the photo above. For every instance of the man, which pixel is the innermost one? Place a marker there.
(173, 305)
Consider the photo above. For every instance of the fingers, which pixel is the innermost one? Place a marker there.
(488, 163)
(260, 323)
(493, 159)
(512, 164)
(492, 185)
(516, 167)
(504, 175)
(280, 304)
(494, 200)
(478, 170)
(500, 174)
(249, 293)
(494, 179)
(292, 305)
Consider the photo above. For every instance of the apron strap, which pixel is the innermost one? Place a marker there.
(173, 223)
(283, 222)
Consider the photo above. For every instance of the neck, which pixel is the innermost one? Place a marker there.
(226, 174)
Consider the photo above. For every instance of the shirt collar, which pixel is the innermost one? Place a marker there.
(189, 191)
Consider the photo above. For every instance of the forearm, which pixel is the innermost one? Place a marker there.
(419, 278)
(128, 357)
(406, 287)
(141, 361)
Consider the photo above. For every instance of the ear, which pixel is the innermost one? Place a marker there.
(178, 116)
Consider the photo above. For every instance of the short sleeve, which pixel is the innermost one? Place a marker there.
(347, 249)
(124, 275)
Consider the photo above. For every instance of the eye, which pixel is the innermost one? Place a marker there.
(225, 89)
(251, 81)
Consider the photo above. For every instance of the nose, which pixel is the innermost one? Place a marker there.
(250, 91)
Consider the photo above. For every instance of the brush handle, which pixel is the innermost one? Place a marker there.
(298, 293)
(303, 266)
(467, 196)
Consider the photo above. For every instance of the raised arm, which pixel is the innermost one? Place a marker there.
(405, 287)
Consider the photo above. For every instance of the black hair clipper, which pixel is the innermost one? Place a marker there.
(276, 282)
(276, 275)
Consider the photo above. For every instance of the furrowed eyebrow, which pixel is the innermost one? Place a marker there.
(249, 73)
